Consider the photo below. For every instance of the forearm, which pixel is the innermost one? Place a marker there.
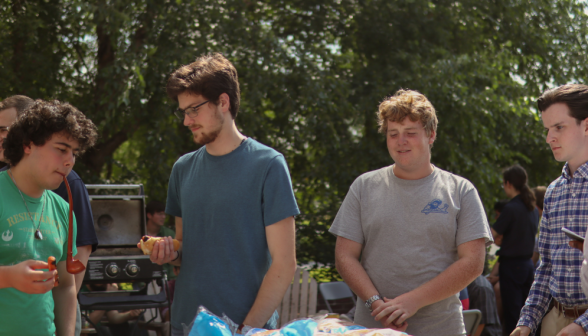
(272, 290)
(355, 277)
(83, 256)
(449, 282)
(5, 277)
(116, 317)
(64, 297)
(96, 316)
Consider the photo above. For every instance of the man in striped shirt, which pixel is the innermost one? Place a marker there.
(556, 289)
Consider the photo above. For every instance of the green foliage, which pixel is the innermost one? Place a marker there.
(312, 75)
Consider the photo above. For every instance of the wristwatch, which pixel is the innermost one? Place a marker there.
(370, 301)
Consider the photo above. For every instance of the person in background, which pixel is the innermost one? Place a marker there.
(155, 212)
(86, 240)
(118, 321)
(556, 297)
(494, 277)
(464, 298)
(482, 297)
(539, 197)
(517, 227)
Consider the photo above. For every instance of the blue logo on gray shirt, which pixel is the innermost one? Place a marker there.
(435, 206)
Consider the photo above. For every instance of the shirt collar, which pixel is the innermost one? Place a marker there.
(582, 171)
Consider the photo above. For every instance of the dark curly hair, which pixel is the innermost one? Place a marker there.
(43, 119)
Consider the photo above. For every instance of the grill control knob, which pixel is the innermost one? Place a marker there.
(132, 269)
(112, 270)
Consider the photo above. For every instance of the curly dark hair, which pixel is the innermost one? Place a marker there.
(43, 119)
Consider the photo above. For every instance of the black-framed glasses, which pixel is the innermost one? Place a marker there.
(191, 112)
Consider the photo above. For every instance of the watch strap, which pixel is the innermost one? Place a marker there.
(370, 301)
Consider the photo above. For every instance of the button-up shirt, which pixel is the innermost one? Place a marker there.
(558, 276)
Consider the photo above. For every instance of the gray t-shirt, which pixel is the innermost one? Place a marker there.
(410, 230)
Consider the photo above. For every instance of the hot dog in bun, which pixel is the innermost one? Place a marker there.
(148, 241)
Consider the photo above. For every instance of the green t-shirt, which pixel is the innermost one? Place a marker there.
(166, 232)
(21, 313)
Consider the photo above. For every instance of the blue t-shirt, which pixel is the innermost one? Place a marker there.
(82, 209)
(225, 203)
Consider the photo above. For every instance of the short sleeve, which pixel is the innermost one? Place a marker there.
(347, 223)
(83, 215)
(471, 220)
(505, 219)
(82, 210)
(75, 234)
(173, 202)
(278, 197)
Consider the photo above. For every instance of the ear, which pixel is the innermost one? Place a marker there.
(27, 149)
(432, 137)
(149, 216)
(224, 102)
(585, 126)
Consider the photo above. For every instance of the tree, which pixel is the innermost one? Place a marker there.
(312, 75)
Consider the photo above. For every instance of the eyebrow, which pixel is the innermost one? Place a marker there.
(406, 129)
(191, 105)
(554, 125)
(68, 146)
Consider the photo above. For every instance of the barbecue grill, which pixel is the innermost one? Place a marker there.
(119, 221)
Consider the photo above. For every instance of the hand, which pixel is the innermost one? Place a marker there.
(521, 331)
(493, 279)
(383, 321)
(163, 251)
(111, 287)
(25, 277)
(134, 313)
(498, 240)
(572, 330)
(577, 244)
(394, 313)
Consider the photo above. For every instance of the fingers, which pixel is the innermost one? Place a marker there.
(394, 316)
(163, 251)
(37, 287)
(38, 276)
(576, 244)
(36, 264)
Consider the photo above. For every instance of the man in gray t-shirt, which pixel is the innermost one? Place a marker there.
(421, 232)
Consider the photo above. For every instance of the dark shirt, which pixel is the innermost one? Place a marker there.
(81, 208)
(518, 225)
(482, 298)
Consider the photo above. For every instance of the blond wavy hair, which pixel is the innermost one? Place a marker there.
(411, 104)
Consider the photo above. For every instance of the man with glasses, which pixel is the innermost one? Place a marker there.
(233, 204)
(9, 109)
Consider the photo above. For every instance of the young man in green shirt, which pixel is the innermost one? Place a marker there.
(41, 147)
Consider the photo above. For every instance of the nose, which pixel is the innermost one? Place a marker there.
(70, 160)
(187, 120)
(549, 138)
